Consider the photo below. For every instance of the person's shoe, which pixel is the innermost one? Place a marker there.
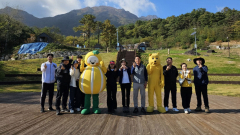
(96, 110)
(175, 110)
(78, 109)
(58, 112)
(186, 111)
(65, 110)
(50, 109)
(127, 109)
(135, 110)
(42, 110)
(110, 110)
(166, 109)
(124, 109)
(207, 110)
(71, 111)
(189, 110)
(198, 109)
(143, 110)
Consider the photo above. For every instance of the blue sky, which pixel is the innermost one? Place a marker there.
(161, 8)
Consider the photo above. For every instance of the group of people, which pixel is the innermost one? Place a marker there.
(67, 76)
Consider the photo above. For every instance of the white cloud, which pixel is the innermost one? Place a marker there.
(43, 8)
(91, 3)
(47, 8)
(219, 8)
(135, 6)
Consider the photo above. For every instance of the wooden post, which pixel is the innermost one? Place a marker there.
(168, 51)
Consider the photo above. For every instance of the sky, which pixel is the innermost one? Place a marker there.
(160, 8)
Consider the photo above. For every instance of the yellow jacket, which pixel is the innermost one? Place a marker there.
(185, 82)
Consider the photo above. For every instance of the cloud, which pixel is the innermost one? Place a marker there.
(49, 8)
(219, 8)
(43, 8)
(135, 6)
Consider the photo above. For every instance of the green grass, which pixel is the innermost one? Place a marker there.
(213, 89)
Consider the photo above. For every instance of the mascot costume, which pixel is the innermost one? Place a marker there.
(155, 82)
(92, 80)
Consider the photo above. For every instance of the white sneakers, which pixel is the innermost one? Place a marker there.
(175, 110)
(71, 111)
(186, 111)
(78, 109)
(166, 109)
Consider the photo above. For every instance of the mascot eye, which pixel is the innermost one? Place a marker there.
(153, 58)
(156, 58)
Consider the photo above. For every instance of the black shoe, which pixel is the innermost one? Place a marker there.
(135, 110)
(50, 109)
(110, 110)
(127, 109)
(58, 112)
(65, 110)
(42, 110)
(143, 110)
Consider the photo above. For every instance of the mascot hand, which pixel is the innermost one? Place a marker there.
(102, 63)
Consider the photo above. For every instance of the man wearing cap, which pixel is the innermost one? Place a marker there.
(201, 82)
(63, 81)
(48, 79)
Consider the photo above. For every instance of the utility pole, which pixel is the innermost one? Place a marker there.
(195, 33)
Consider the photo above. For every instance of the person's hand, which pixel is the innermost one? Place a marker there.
(62, 67)
(182, 72)
(124, 67)
(77, 80)
(145, 85)
(200, 66)
(72, 67)
(134, 64)
(45, 66)
(168, 68)
(115, 69)
(121, 67)
(189, 72)
(108, 69)
(102, 63)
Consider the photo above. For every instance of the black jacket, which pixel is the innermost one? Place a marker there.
(170, 76)
(63, 76)
(112, 77)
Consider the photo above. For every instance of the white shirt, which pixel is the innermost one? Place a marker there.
(125, 78)
(75, 74)
(48, 74)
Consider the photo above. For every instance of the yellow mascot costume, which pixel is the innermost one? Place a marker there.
(155, 82)
(92, 80)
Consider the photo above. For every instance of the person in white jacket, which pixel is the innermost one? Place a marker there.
(48, 80)
(74, 88)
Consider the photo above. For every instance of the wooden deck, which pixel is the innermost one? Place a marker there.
(20, 114)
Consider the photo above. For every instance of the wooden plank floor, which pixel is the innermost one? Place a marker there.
(20, 114)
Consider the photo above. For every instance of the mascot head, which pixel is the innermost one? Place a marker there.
(154, 59)
(93, 58)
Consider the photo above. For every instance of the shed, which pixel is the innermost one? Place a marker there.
(142, 46)
(98, 46)
(44, 38)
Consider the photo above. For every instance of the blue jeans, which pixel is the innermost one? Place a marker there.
(74, 101)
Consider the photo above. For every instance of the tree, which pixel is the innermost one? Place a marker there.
(109, 32)
(88, 26)
(99, 27)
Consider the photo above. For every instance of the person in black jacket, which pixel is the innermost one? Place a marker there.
(111, 75)
(63, 81)
(125, 82)
(170, 73)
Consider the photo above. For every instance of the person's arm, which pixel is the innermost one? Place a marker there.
(145, 74)
(133, 70)
(129, 71)
(181, 75)
(43, 69)
(176, 74)
(189, 75)
(59, 70)
(162, 77)
(165, 72)
(71, 71)
(82, 66)
(149, 70)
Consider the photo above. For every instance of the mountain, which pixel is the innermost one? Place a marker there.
(149, 17)
(67, 21)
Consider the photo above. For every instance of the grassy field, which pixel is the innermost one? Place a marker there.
(213, 89)
(217, 63)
